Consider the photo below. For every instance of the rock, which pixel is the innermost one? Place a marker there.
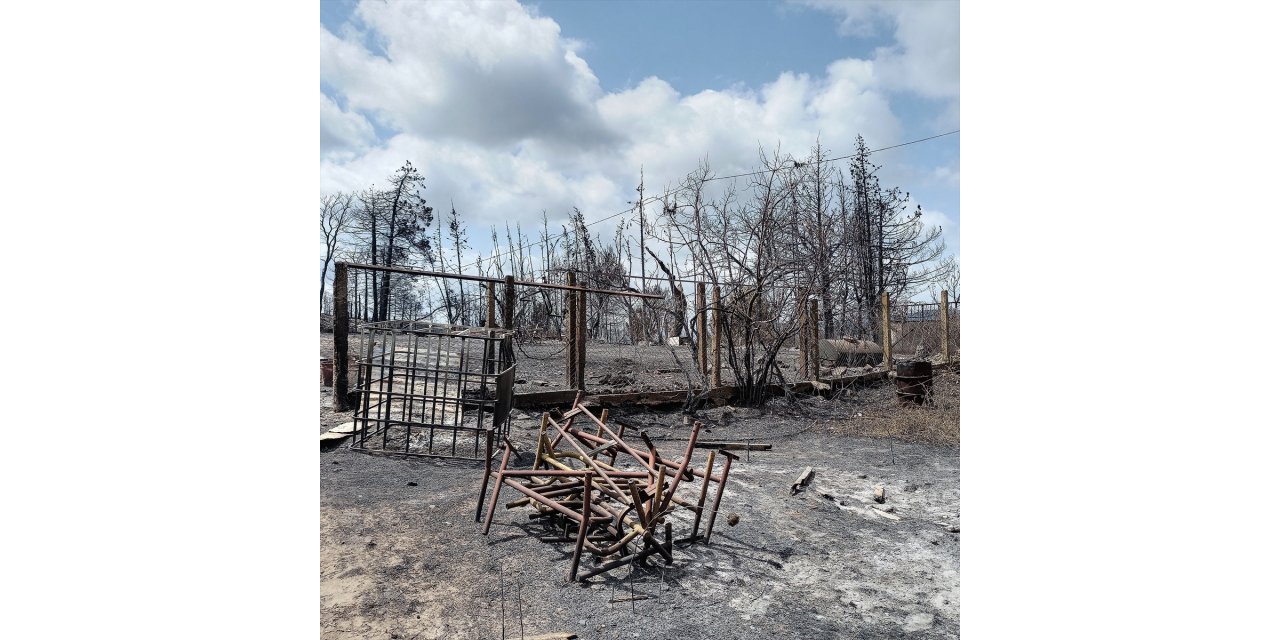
(727, 416)
(606, 379)
(862, 476)
(878, 494)
(733, 519)
(911, 487)
(955, 528)
(521, 381)
(414, 484)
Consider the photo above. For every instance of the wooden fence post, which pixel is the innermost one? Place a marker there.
(490, 321)
(715, 336)
(946, 334)
(813, 338)
(701, 291)
(582, 340)
(509, 308)
(802, 317)
(571, 319)
(886, 340)
(490, 317)
(341, 327)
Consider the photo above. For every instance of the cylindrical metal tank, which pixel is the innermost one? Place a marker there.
(914, 381)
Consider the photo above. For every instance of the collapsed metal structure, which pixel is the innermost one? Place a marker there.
(617, 507)
(431, 389)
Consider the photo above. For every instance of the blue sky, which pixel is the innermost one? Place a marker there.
(513, 108)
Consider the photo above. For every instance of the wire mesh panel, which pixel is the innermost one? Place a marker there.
(431, 389)
(953, 328)
(917, 328)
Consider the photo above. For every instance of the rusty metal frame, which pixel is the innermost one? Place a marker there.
(419, 382)
(619, 509)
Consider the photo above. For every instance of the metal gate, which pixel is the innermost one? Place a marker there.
(428, 389)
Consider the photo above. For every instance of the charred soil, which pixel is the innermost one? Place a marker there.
(402, 557)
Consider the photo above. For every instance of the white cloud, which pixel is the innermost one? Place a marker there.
(947, 175)
(502, 115)
(931, 218)
(486, 71)
(925, 56)
(342, 132)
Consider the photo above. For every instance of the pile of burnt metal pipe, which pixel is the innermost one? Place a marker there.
(618, 508)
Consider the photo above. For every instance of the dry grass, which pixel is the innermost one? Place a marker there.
(880, 415)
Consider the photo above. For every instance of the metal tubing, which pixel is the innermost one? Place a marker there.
(702, 495)
(497, 487)
(488, 463)
(523, 283)
(684, 464)
(724, 476)
(620, 562)
(583, 526)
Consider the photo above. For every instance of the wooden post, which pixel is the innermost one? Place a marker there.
(946, 334)
(813, 338)
(490, 318)
(886, 339)
(700, 291)
(581, 339)
(341, 316)
(509, 308)
(571, 319)
(715, 336)
(490, 321)
(802, 315)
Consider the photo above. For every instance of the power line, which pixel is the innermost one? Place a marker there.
(739, 175)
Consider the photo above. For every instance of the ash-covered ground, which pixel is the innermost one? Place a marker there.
(617, 368)
(402, 557)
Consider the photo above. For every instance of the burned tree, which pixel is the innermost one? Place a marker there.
(391, 228)
(336, 213)
(886, 247)
(740, 246)
(408, 219)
